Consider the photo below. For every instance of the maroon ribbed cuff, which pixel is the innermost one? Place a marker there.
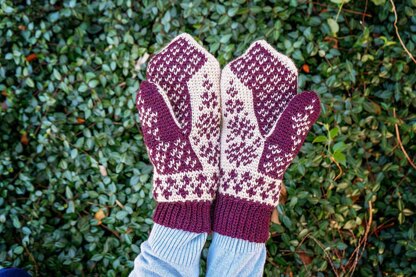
(242, 219)
(189, 216)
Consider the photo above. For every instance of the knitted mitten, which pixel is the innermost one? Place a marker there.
(179, 111)
(265, 123)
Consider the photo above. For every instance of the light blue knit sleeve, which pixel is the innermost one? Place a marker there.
(169, 252)
(229, 256)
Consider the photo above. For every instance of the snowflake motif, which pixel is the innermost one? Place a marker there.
(207, 125)
(233, 106)
(209, 98)
(167, 193)
(227, 180)
(237, 188)
(211, 152)
(231, 90)
(182, 191)
(276, 194)
(239, 153)
(241, 128)
(201, 179)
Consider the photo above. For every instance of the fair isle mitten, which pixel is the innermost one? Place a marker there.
(265, 123)
(179, 110)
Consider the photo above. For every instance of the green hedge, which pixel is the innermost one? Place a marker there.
(75, 179)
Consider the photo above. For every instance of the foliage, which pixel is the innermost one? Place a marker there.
(75, 178)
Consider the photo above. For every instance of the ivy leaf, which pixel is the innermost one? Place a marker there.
(339, 157)
(320, 139)
(378, 2)
(333, 25)
(333, 133)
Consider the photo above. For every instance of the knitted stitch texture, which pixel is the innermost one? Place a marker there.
(179, 110)
(265, 123)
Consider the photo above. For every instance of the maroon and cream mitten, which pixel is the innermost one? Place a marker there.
(264, 125)
(179, 110)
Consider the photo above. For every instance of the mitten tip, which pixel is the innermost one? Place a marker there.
(285, 60)
(191, 40)
(312, 98)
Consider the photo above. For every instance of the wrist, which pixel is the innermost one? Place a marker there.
(192, 216)
(242, 219)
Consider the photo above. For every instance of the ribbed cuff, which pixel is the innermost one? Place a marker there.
(235, 245)
(176, 246)
(242, 219)
(188, 216)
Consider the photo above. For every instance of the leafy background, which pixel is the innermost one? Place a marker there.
(75, 178)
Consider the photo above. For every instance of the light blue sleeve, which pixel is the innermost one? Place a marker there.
(169, 252)
(172, 252)
(235, 257)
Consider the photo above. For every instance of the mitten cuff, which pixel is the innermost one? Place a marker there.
(242, 219)
(188, 216)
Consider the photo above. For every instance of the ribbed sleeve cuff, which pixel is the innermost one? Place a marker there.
(235, 245)
(242, 219)
(188, 216)
(176, 246)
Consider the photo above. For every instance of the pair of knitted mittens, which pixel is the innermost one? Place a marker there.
(234, 148)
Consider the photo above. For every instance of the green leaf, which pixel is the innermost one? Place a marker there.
(68, 193)
(333, 25)
(340, 1)
(351, 224)
(233, 11)
(74, 153)
(18, 250)
(93, 83)
(339, 157)
(341, 246)
(225, 38)
(16, 222)
(134, 180)
(400, 204)
(333, 133)
(286, 221)
(97, 257)
(379, 2)
(401, 218)
(372, 107)
(71, 207)
(121, 215)
(339, 146)
(323, 266)
(83, 88)
(30, 82)
(57, 75)
(320, 139)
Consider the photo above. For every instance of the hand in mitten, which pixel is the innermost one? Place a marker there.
(265, 123)
(179, 110)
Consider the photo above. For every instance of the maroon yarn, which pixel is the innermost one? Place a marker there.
(192, 216)
(182, 138)
(162, 136)
(265, 124)
(171, 70)
(270, 81)
(242, 219)
(286, 138)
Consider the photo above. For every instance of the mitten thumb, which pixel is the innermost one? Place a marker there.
(286, 138)
(155, 112)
